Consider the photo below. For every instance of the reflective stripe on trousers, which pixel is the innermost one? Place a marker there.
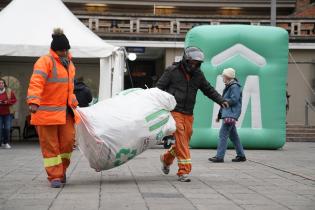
(53, 161)
(186, 161)
(172, 151)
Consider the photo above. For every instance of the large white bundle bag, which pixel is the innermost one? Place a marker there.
(115, 130)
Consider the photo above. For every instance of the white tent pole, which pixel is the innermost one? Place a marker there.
(119, 70)
(105, 86)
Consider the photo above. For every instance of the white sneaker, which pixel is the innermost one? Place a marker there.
(184, 178)
(7, 146)
(165, 168)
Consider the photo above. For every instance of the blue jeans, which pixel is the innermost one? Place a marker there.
(226, 131)
(5, 125)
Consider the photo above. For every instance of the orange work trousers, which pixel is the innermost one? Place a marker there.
(181, 148)
(56, 142)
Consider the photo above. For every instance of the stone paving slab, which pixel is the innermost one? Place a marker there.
(270, 179)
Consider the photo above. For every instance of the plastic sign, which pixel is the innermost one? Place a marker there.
(259, 54)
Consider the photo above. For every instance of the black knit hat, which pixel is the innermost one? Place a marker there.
(60, 41)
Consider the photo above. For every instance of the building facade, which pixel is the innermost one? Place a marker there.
(156, 30)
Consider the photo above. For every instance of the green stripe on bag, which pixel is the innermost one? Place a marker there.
(155, 115)
(159, 124)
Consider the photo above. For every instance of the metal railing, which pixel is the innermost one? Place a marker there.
(308, 106)
(168, 27)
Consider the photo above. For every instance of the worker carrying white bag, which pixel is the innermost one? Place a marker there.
(115, 130)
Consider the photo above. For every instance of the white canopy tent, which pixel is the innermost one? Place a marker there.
(26, 28)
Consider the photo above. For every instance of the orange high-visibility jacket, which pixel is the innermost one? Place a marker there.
(51, 88)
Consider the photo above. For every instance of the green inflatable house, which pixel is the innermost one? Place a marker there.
(259, 54)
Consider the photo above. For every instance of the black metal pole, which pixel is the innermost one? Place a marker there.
(273, 15)
(129, 73)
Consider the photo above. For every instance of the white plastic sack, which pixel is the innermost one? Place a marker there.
(115, 130)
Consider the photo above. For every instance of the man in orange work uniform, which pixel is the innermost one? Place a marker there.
(183, 80)
(51, 101)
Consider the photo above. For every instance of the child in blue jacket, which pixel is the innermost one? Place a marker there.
(233, 94)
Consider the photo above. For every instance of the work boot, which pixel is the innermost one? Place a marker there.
(239, 159)
(55, 183)
(184, 178)
(216, 160)
(165, 168)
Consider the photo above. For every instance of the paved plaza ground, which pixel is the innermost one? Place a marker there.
(270, 179)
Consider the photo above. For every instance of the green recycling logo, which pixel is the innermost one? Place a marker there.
(123, 155)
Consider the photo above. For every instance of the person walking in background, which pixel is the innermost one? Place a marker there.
(52, 102)
(233, 94)
(82, 92)
(7, 99)
(182, 80)
(83, 95)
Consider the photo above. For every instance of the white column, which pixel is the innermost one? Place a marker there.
(105, 87)
(118, 74)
